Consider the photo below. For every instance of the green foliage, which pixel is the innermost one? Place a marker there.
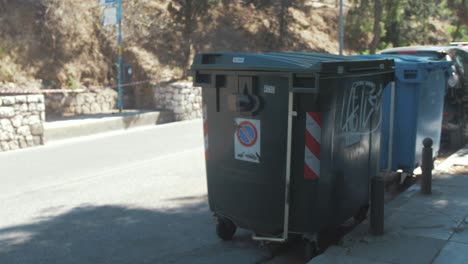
(213, 3)
(459, 9)
(7, 71)
(187, 16)
(8, 68)
(188, 11)
(72, 83)
(50, 84)
(2, 52)
(403, 22)
(410, 22)
(457, 12)
(365, 52)
(358, 26)
(458, 33)
(259, 4)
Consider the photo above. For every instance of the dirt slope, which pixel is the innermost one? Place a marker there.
(61, 43)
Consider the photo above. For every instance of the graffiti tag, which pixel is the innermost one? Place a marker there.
(361, 104)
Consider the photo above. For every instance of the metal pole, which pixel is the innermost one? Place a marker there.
(426, 167)
(119, 67)
(377, 205)
(341, 27)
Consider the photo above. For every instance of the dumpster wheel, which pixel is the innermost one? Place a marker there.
(225, 228)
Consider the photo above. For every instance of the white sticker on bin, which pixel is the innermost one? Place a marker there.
(247, 146)
(238, 60)
(269, 89)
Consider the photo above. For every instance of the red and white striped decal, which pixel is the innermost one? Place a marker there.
(205, 131)
(312, 145)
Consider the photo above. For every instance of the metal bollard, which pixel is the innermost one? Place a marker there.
(377, 206)
(427, 165)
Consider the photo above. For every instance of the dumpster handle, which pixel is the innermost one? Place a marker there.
(284, 237)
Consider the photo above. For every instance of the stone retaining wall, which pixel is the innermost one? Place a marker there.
(184, 100)
(79, 103)
(21, 121)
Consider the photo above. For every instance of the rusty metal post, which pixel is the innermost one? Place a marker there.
(427, 165)
(377, 205)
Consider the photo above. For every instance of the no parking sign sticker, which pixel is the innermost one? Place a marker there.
(247, 140)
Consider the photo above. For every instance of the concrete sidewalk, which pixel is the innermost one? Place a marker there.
(418, 228)
(93, 124)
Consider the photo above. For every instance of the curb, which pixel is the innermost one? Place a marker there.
(91, 125)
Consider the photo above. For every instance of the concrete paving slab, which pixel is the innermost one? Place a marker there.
(451, 180)
(461, 233)
(358, 233)
(396, 248)
(418, 228)
(401, 199)
(453, 253)
(449, 190)
(450, 205)
(437, 226)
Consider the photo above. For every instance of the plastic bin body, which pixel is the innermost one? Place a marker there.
(333, 105)
(418, 102)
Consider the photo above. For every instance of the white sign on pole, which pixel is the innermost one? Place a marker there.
(107, 2)
(110, 16)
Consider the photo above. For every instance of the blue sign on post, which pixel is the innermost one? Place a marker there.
(109, 16)
(113, 15)
(119, 41)
(107, 2)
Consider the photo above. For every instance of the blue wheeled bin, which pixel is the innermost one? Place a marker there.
(412, 110)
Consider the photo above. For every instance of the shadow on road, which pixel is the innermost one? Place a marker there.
(118, 234)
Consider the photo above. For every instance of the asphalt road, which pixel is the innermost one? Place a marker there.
(125, 197)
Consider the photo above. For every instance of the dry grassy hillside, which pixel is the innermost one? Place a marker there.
(59, 42)
(62, 43)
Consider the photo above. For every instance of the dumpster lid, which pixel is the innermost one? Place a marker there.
(427, 63)
(435, 52)
(288, 61)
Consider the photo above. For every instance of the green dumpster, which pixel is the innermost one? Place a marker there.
(291, 139)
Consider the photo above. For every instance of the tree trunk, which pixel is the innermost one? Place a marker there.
(462, 11)
(456, 34)
(377, 18)
(283, 22)
(188, 22)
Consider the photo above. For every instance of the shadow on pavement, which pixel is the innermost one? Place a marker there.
(118, 234)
